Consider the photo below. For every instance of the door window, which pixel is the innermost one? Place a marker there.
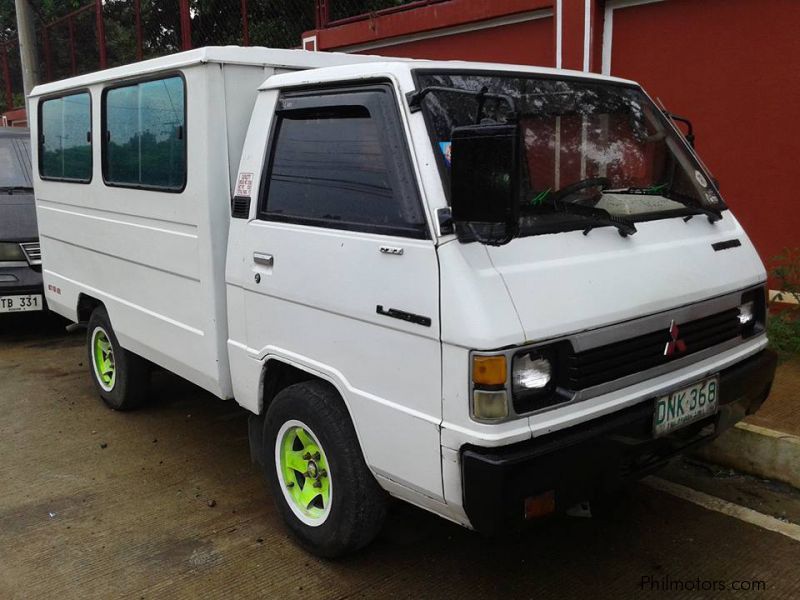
(340, 161)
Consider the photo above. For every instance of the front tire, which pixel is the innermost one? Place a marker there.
(327, 496)
(121, 378)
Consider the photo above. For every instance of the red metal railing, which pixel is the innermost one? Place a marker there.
(68, 20)
(8, 88)
(66, 43)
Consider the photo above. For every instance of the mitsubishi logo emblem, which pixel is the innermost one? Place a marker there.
(675, 344)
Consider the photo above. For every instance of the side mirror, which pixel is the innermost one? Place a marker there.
(484, 178)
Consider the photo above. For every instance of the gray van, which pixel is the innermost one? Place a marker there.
(20, 256)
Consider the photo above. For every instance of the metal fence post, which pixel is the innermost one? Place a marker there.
(72, 60)
(186, 26)
(101, 32)
(322, 14)
(48, 63)
(245, 25)
(137, 9)
(7, 78)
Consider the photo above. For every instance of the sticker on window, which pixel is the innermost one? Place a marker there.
(700, 179)
(244, 185)
(445, 148)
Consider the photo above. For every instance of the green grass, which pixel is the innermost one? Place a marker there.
(783, 325)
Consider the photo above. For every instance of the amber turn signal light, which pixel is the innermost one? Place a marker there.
(489, 370)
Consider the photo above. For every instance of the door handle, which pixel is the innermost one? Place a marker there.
(261, 258)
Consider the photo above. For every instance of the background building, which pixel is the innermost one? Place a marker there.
(732, 66)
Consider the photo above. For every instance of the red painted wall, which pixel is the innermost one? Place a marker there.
(527, 43)
(733, 66)
(427, 18)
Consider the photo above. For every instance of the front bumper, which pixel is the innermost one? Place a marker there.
(596, 457)
(19, 281)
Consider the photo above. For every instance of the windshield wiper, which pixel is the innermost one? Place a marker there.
(713, 214)
(8, 189)
(599, 216)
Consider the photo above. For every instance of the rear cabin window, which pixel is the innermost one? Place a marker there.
(145, 135)
(330, 168)
(65, 146)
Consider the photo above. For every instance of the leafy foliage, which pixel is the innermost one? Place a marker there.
(784, 323)
(275, 23)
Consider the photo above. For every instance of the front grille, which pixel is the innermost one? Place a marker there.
(33, 252)
(607, 363)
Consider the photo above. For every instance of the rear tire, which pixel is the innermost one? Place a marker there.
(324, 491)
(122, 378)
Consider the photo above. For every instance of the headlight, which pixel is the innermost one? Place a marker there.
(11, 252)
(753, 312)
(532, 372)
(512, 383)
(747, 313)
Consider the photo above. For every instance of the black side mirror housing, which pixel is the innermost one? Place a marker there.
(484, 182)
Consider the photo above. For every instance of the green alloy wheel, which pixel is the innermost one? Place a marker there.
(121, 377)
(103, 354)
(323, 489)
(305, 475)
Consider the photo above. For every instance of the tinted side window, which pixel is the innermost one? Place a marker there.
(65, 147)
(330, 167)
(145, 130)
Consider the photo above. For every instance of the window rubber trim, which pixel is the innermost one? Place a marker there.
(60, 96)
(103, 128)
(334, 96)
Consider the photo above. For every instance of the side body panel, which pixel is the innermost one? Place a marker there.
(315, 307)
(154, 258)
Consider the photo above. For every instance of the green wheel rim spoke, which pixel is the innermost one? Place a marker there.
(304, 437)
(307, 495)
(304, 473)
(294, 461)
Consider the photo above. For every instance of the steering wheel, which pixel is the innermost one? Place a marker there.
(601, 182)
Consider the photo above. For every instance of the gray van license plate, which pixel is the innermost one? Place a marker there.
(685, 406)
(28, 302)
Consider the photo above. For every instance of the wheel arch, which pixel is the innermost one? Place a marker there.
(277, 374)
(86, 305)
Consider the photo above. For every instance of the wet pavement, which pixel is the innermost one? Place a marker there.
(164, 502)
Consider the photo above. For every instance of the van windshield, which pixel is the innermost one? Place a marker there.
(15, 163)
(587, 143)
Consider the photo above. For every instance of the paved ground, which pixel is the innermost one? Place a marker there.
(782, 411)
(98, 504)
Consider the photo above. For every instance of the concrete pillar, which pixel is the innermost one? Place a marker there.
(26, 31)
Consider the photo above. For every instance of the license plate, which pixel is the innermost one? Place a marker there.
(12, 304)
(685, 406)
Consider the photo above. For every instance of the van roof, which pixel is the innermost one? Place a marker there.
(251, 55)
(378, 66)
(334, 65)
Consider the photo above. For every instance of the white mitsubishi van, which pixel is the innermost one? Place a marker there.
(492, 291)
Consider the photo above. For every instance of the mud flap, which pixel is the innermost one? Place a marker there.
(255, 432)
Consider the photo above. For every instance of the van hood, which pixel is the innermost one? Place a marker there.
(18, 217)
(569, 282)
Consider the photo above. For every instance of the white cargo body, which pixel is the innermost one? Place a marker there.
(421, 278)
(157, 260)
